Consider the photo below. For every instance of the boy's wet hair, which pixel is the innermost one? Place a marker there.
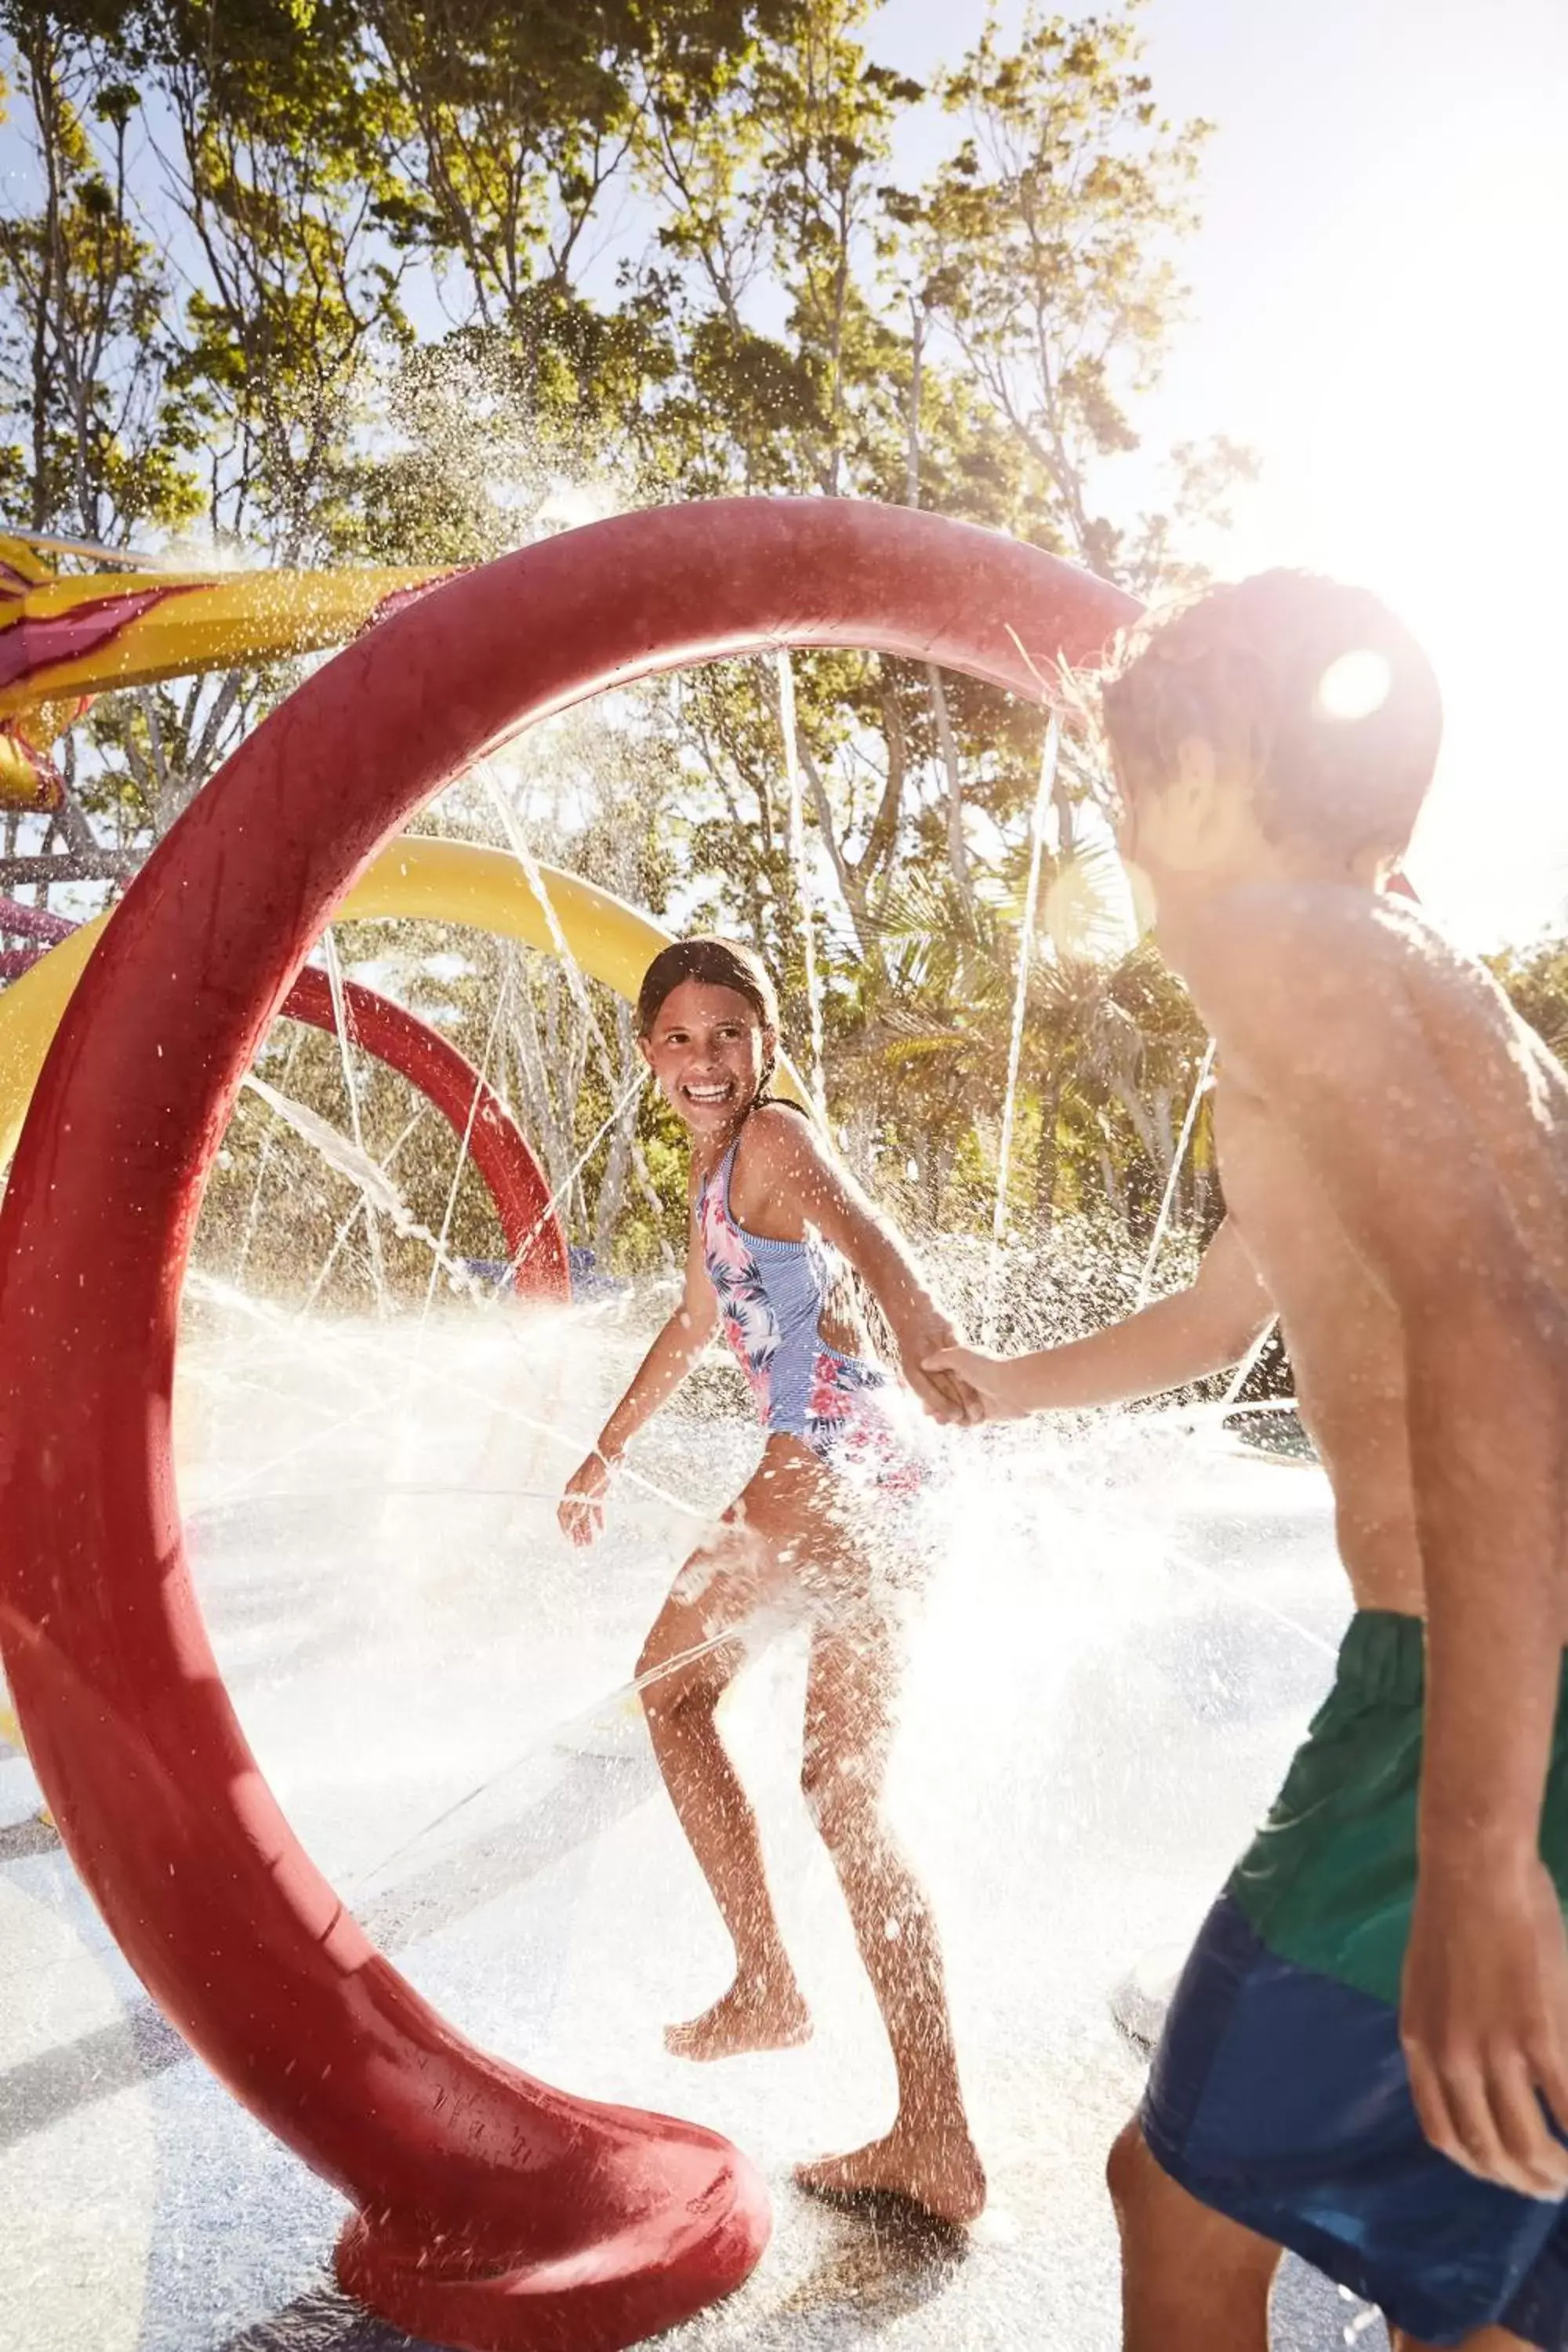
(1324, 695)
(713, 963)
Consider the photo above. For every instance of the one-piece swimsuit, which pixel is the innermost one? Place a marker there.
(772, 1295)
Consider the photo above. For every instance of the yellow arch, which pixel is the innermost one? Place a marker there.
(437, 881)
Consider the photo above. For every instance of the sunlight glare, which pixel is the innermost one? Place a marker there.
(1354, 685)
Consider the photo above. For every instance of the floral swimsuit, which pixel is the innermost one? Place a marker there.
(771, 1295)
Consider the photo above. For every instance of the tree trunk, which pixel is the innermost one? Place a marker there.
(957, 848)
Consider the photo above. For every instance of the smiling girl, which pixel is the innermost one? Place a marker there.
(777, 1226)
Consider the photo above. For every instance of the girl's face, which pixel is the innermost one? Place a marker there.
(707, 1050)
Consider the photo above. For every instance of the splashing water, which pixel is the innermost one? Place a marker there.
(1117, 1635)
(464, 1142)
(1111, 1652)
(624, 1092)
(346, 1224)
(378, 1195)
(562, 1192)
(518, 842)
(345, 1035)
(350, 1159)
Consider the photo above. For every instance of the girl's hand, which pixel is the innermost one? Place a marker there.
(581, 1512)
(983, 1382)
(923, 1339)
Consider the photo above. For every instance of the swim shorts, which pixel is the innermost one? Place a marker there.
(1279, 2094)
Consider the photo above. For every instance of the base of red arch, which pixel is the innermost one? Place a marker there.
(595, 2293)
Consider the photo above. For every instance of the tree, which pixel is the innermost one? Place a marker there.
(102, 446)
(84, 357)
(1536, 981)
(420, 279)
(1043, 249)
(278, 180)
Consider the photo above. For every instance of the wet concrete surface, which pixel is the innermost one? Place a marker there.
(1117, 1653)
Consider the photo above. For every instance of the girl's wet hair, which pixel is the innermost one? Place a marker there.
(1259, 671)
(713, 963)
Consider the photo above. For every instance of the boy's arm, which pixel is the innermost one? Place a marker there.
(828, 1199)
(1315, 1014)
(1209, 1328)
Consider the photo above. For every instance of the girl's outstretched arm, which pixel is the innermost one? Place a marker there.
(672, 1355)
(789, 1167)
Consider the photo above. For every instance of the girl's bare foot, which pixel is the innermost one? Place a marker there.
(751, 2016)
(935, 2169)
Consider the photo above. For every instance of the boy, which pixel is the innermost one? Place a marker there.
(1367, 2055)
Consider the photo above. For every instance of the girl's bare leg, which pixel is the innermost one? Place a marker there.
(929, 2156)
(753, 1560)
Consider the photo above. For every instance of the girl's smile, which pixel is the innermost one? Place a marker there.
(709, 1053)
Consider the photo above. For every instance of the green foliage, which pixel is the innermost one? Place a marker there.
(1045, 249)
(85, 360)
(1536, 981)
(417, 281)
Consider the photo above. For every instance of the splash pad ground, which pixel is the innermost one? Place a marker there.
(1104, 1689)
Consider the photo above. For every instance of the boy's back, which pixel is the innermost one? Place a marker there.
(1369, 2044)
(1389, 1132)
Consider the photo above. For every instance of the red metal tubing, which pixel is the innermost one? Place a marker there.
(492, 2210)
(33, 922)
(535, 1243)
(535, 1239)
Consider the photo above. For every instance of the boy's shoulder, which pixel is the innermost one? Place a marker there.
(1311, 936)
(1298, 980)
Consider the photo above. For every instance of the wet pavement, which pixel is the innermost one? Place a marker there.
(1120, 1646)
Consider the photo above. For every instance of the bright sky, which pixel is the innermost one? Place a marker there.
(1379, 286)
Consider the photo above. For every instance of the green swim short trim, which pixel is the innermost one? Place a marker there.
(1329, 1881)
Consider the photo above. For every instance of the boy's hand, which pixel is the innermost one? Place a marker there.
(923, 1336)
(984, 1379)
(581, 1512)
(1484, 2022)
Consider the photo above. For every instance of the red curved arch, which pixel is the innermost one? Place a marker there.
(471, 1107)
(493, 2211)
(536, 1241)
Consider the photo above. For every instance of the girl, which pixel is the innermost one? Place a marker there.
(775, 1226)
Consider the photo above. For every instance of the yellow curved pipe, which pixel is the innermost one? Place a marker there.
(85, 635)
(436, 881)
(62, 641)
